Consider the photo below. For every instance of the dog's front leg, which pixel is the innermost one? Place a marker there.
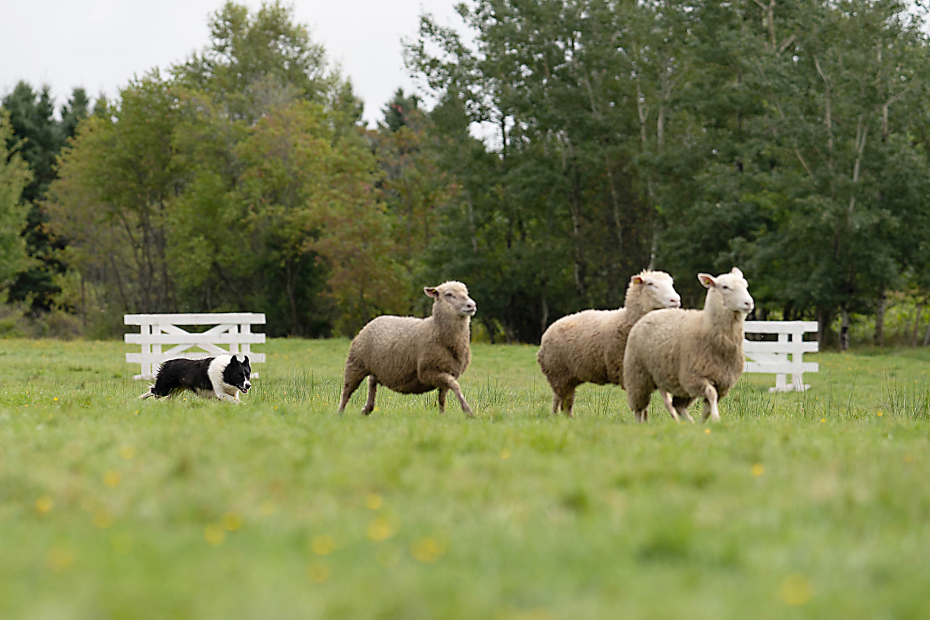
(221, 394)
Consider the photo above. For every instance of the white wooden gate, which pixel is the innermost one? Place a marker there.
(783, 357)
(233, 329)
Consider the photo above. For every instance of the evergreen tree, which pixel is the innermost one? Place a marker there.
(14, 177)
(398, 111)
(73, 112)
(37, 138)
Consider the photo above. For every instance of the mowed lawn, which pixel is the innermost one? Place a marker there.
(814, 505)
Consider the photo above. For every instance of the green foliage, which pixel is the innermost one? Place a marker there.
(74, 111)
(808, 196)
(38, 138)
(416, 189)
(782, 137)
(35, 136)
(255, 61)
(788, 138)
(117, 179)
(14, 177)
(191, 508)
(241, 182)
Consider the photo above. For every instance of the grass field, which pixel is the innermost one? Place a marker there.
(814, 505)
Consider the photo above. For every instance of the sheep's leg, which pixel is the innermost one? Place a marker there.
(640, 387)
(683, 412)
(444, 380)
(372, 390)
(667, 399)
(681, 404)
(710, 403)
(568, 402)
(556, 403)
(442, 399)
(353, 378)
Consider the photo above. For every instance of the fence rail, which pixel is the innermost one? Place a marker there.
(232, 329)
(784, 357)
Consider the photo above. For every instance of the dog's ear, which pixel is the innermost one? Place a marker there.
(246, 362)
(234, 361)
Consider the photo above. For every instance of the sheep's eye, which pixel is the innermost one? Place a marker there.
(725, 287)
(449, 295)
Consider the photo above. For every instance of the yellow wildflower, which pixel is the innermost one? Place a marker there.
(795, 590)
(427, 550)
(214, 534)
(379, 529)
(44, 504)
(232, 521)
(323, 545)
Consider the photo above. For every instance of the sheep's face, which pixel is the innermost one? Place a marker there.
(658, 290)
(455, 295)
(733, 290)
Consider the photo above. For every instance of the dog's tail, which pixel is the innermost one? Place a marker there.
(148, 394)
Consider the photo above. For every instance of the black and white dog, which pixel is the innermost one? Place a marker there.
(222, 377)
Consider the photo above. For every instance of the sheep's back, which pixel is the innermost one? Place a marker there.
(387, 348)
(657, 343)
(576, 344)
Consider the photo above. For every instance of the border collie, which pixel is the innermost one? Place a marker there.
(223, 377)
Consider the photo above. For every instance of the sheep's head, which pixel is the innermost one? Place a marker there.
(453, 295)
(656, 290)
(732, 288)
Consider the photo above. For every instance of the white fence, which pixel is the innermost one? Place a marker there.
(233, 330)
(783, 357)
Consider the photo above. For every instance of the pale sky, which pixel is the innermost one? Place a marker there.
(101, 44)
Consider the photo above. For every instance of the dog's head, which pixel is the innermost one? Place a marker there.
(237, 374)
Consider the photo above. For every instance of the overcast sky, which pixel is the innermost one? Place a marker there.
(101, 44)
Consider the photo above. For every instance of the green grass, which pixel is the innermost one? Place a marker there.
(807, 505)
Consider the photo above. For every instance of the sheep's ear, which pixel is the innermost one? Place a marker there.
(636, 280)
(707, 280)
(736, 272)
(431, 292)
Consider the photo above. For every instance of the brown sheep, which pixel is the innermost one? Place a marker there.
(411, 355)
(689, 354)
(588, 346)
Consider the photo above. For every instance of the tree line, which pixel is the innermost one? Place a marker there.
(788, 138)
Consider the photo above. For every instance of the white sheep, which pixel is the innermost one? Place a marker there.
(588, 346)
(411, 355)
(688, 354)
